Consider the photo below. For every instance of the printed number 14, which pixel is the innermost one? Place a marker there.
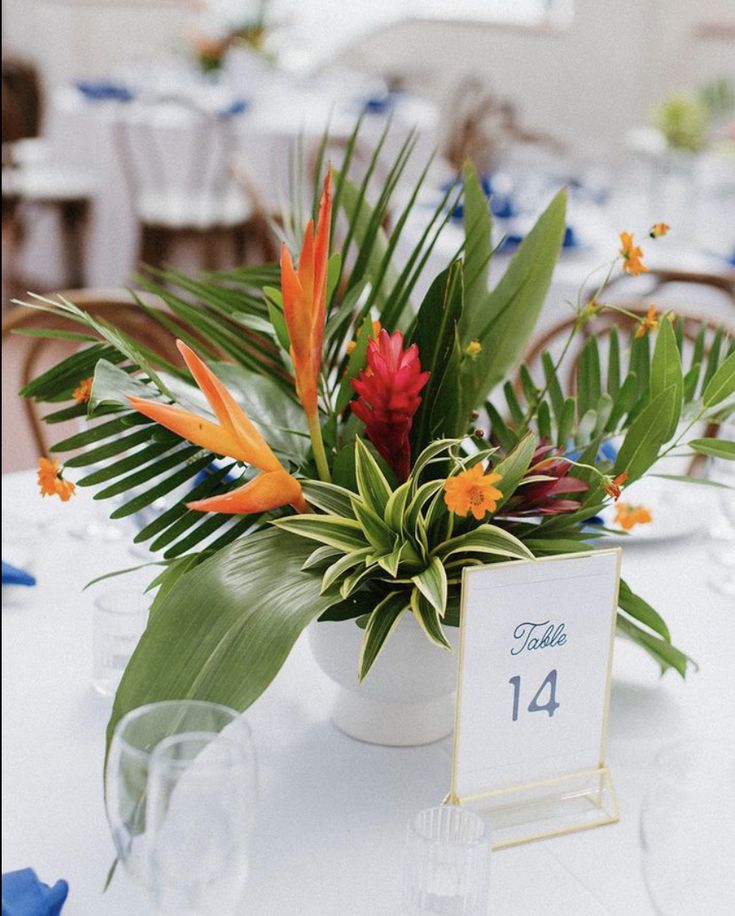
(534, 706)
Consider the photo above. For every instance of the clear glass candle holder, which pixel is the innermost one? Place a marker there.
(447, 869)
(118, 623)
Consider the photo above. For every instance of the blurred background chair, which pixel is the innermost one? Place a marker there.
(179, 163)
(483, 126)
(25, 357)
(33, 184)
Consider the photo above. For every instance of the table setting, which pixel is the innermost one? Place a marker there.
(381, 632)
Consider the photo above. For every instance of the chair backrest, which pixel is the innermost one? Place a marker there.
(25, 357)
(170, 145)
(21, 98)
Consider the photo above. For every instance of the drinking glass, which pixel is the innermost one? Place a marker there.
(447, 868)
(200, 819)
(687, 830)
(182, 811)
(118, 623)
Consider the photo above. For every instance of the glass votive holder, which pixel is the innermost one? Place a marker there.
(119, 620)
(447, 868)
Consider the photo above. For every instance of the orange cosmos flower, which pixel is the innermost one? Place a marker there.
(628, 516)
(51, 482)
(304, 301)
(235, 436)
(658, 229)
(649, 323)
(377, 328)
(614, 487)
(631, 255)
(83, 391)
(472, 491)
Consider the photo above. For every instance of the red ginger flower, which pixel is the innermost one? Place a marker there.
(388, 392)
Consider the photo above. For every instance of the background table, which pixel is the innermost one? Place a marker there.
(333, 811)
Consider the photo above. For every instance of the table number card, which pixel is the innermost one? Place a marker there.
(536, 640)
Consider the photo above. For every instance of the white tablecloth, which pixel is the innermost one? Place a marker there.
(333, 811)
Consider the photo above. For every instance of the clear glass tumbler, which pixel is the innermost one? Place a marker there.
(447, 869)
(181, 796)
(200, 819)
(118, 623)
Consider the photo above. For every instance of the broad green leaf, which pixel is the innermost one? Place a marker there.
(391, 561)
(356, 362)
(715, 448)
(435, 334)
(624, 401)
(667, 655)
(374, 528)
(478, 231)
(206, 641)
(380, 625)
(589, 379)
(722, 383)
(566, 422)
(512, 309)
(342, 533)
(552, 383)
(328, 497)
(666, 372)
(645, 437)
(485, 539)
(642, 611)
(432, 583)
(371, 483)
(395, 508)
(713, 358)
(514, 466)
(343, 565)
(320, 557)
(429, 620)
(613, 364)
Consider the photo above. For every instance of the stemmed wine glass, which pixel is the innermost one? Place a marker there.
(181, 792)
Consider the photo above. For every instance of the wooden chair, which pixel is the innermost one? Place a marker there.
(656, 281)
(193, 195)
(482, 125)
(33, 183)
(35, 354)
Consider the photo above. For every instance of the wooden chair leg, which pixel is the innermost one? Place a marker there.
(154, 245)
(73, 221)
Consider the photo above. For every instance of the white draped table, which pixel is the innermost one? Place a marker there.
(332, 811)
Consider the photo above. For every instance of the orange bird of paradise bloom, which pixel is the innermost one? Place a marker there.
(235, 436)
(304, 301)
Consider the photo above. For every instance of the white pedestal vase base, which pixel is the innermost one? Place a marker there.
(408, 696)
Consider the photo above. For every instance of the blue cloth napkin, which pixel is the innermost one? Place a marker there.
(236, 107)
(25, 895)
(379, 104)
(104, 91)
(14, 576)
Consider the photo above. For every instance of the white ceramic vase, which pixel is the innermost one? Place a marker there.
(408, 695)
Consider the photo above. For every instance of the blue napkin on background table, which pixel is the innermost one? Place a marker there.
(236, 107)
(14, 576)
(104, 91)
(24, 895)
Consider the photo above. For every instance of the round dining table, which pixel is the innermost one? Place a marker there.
(332, 812)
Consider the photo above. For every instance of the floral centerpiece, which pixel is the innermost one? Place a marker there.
(330, 452)
(222, 24)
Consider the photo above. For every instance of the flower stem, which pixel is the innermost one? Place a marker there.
(317, 444)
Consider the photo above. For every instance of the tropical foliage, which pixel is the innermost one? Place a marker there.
(333, 449)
